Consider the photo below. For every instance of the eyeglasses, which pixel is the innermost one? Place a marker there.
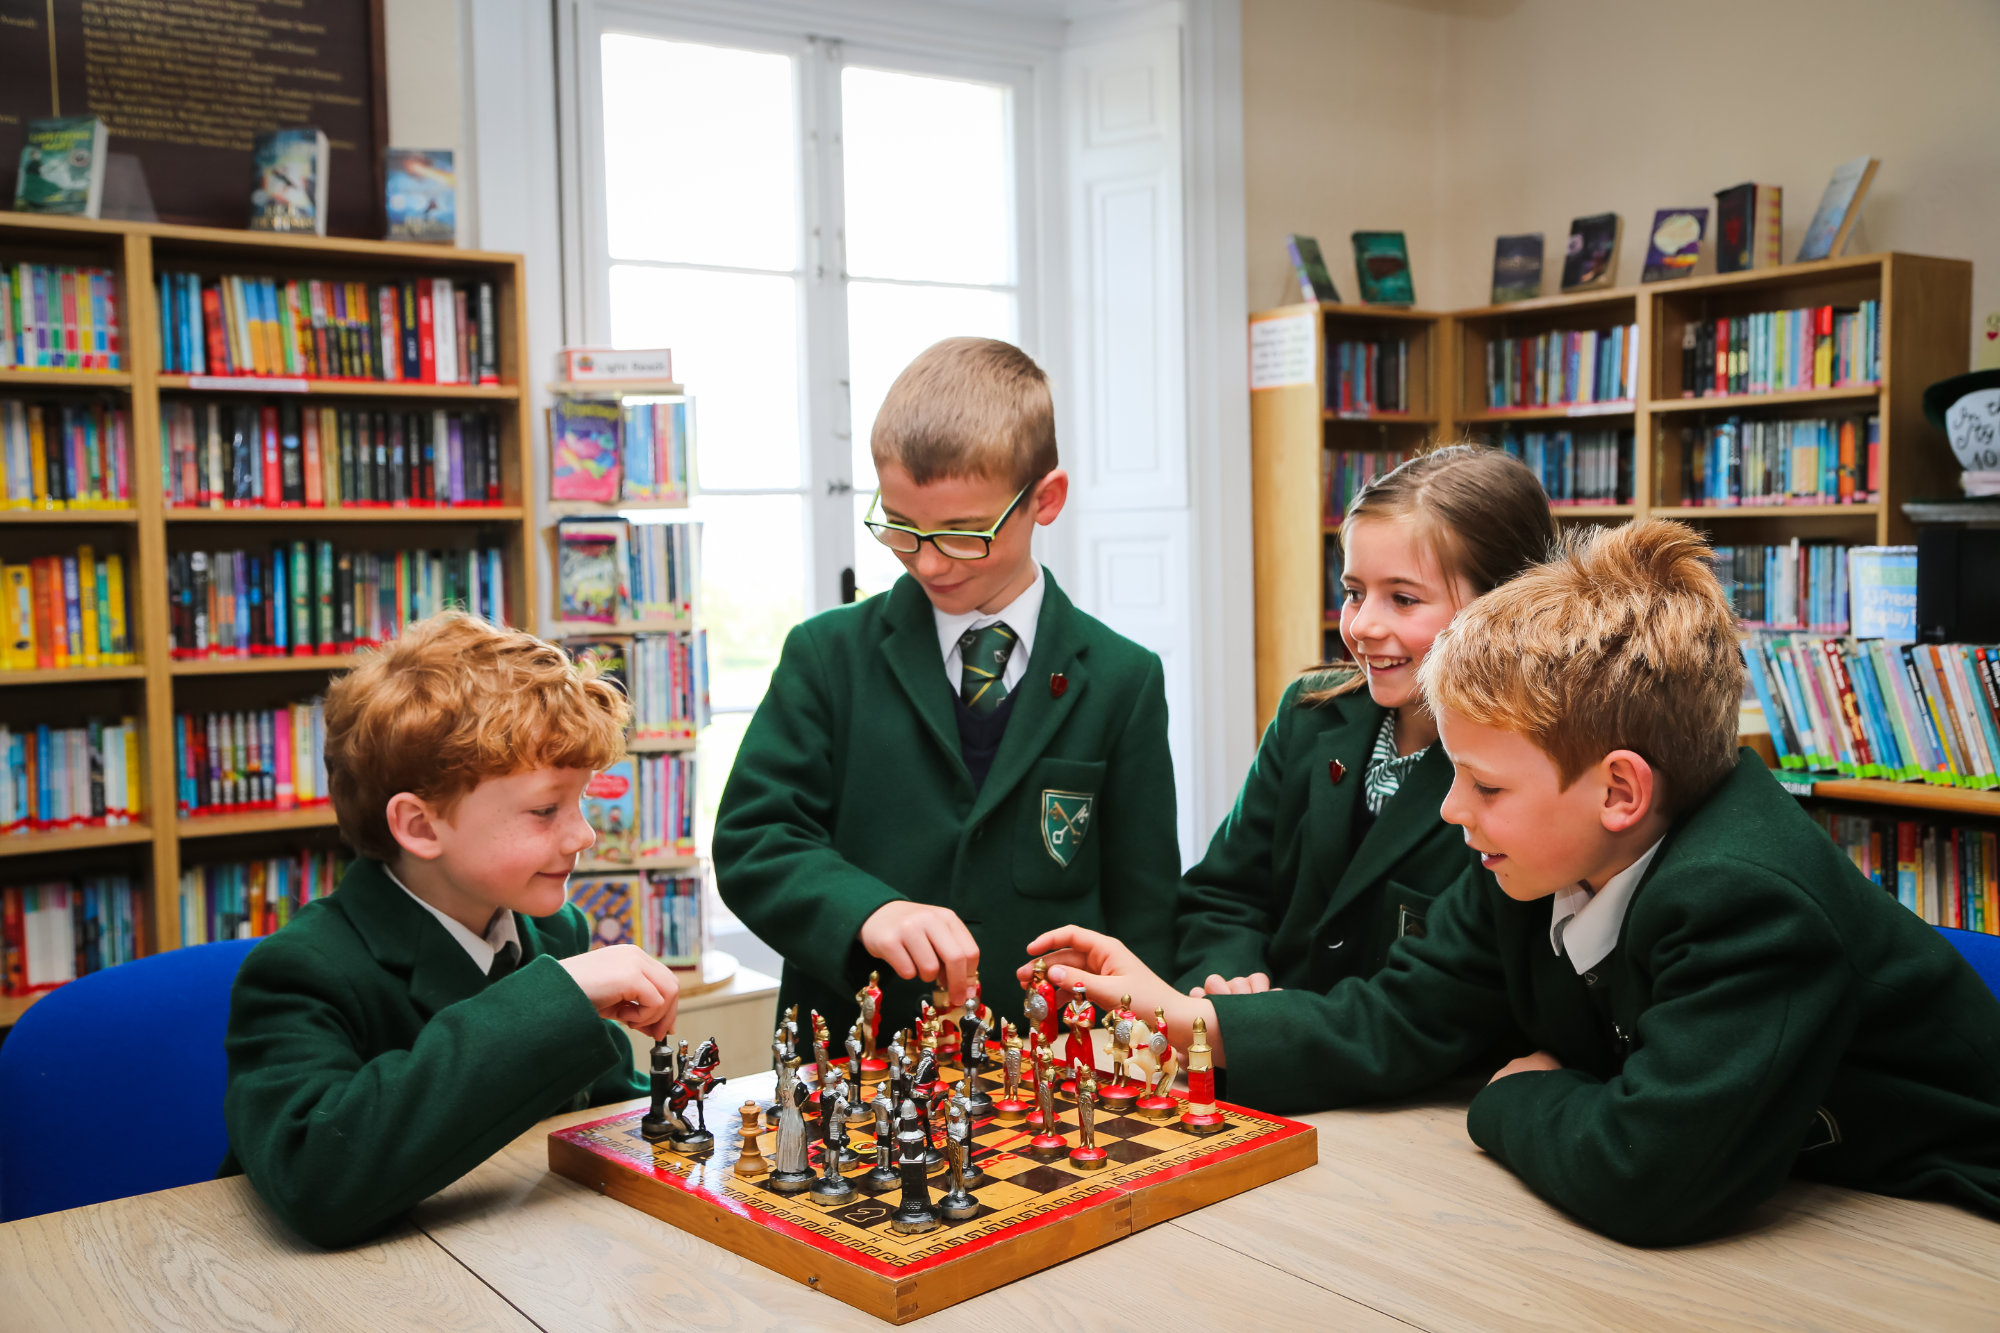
(953, 545)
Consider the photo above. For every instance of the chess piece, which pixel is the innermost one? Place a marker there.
(949, 1012)
(975, 1005)
(1048, 1144)
(869, 1001)
(697, 1079)
(1086, 1155)
(1201, 1115)
(930, 1029)
(750, 1159)
(914, 1214)
(1040, 1002)
(1117, 1093)
(974, 1177)
(859, 1116)
(789, 1029)
(978, 1102)
(957, 1205)
(656, 1124)
(779, 1054)
(974, 1052)
(1039, 1061)
(821, 1065)
(1009, 1109)
(831, 1108)
(884, 1176)
(925, 1088)
(792, 1171)
(1159, 1062)
(832, 1188)
(1079, 1016)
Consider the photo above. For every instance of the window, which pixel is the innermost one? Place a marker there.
(796, 220)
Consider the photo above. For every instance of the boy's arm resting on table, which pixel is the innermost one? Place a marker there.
(339, 1146)
(1141, 858)
(1750, 1016)
(775, 863)
(1225, 910)
(1439, 1001)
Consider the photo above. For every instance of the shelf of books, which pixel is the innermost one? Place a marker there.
(627, 568)
(229, 463)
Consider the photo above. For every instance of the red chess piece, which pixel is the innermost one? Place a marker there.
(1047, 1146)
(1202, 1116)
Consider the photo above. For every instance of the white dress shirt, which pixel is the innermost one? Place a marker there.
(1594, 919)
(1020, 615)
(481, 951)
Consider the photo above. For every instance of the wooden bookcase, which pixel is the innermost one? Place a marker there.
(153, 851)
(1926, 308)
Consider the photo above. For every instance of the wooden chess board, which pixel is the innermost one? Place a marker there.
(1032, 1214)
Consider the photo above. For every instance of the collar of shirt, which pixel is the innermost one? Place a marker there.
(1020, 615)
(1587, 924)
(480, 951)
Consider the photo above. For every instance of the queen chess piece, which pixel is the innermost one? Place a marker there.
(957, 1205)
(1079, 1051)
(1086, 1155)
(914, 1214)
(832, 1188)
(792, 1170)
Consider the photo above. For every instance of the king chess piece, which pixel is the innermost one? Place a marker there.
(883, 1176)
(750, 1159)
(1048, 1144)
(657, 1124)
(832, 1188)
(1159, 1062)
(914, 1214)
(792, 1170)
(1201, 1115)
(957, 1205)
(1008, 1108)
(1086, 1155)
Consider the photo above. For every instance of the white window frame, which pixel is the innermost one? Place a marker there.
(826, 463)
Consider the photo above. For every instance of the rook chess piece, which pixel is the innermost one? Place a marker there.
(793, 1169)
(750, 1160)
(1086, 1155)
(958, 1204)
(914, 1214)
(1201, 1115)
(1009, 1109)
(1159, 1061)
(657, 1124)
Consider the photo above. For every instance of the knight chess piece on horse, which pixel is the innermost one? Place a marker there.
(897, 1189)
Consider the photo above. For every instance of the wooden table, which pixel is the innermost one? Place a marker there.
(1403, 1224)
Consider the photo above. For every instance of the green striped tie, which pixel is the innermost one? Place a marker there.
(984, 654)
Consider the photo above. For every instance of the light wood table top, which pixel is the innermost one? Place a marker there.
(1403, 1224)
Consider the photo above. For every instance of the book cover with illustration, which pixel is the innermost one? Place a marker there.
(288, 181)
(611, 807)
(1517, 268)
(1735, 228)
(590, 582)
(1675, 244)
(1592, 257)
(612, 658)
(62, 167)
(421, 196)
(1309, 268)
(1382, 266)
(1839, 208)
(583, 450)
(614, 904)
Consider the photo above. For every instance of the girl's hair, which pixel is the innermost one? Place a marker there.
(1480, 512)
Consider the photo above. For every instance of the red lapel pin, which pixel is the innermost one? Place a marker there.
(1058, 684)
(1336, 770)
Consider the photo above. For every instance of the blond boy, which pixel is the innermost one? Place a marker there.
(441, 1000)
(1713, 997)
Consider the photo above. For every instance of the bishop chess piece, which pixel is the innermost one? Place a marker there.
(792, 1171)
(914, 1214)
(1201, 1115)
(883, 1177)
(1117, 1093)
(750, 1160)
(1009, 1108)
(1048, 1144)
(832, 1188)
(1086, 1155)
(957, 1205)
(1157, 1059)
(657, 1124)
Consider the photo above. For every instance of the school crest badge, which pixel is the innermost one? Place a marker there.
(1065, 821)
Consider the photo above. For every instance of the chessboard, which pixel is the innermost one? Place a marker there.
(1032, 1215)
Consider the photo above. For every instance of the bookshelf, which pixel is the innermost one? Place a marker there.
(1925, 308)
(152, 850)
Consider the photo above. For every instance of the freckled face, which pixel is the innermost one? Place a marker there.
(514, 840)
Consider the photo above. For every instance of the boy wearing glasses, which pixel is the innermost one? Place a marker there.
(965, 761)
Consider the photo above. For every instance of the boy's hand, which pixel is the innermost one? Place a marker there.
(1254, 984)
(626, 983)
(922, 940)
(1526, 1063)
(1109, 970)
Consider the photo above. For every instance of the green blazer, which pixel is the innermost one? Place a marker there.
(849, 792)
(371, 1063)
(1293, 885)
(1768, 1011)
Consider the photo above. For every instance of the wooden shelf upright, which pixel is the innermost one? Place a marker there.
(151, 852)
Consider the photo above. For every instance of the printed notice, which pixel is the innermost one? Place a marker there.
(1281, 351)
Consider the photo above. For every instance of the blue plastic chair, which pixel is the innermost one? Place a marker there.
(1980, 950)
(112, 1085)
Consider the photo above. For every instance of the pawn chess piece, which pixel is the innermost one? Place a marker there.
(1159, 1062)
(1086, 1155)
(1117, 1093)
(914, 1213)
(792, 1171)
(978, 1101)
(1201, 1115)
(1048, 1144)
(957, 1205)
(657, 1124)
(1009, 1108)
(883, 1177)
(750, 1159)
(832, 1188)
(1041, 1060)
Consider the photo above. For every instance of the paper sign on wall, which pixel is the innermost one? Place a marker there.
(1973, 425)
(1281, 351)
